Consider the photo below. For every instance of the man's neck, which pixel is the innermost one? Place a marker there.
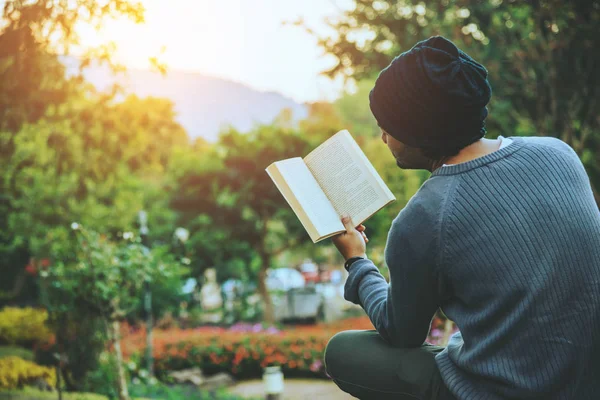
(478, 149)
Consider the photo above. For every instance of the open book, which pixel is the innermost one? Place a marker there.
(335, 179)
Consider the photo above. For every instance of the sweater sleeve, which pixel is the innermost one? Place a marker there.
(402, 310)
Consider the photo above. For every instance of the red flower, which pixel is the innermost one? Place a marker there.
(45, 263)
(31, 270)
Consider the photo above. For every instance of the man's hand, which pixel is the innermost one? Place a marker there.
(353, 242)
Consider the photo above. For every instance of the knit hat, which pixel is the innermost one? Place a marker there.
(432, 96)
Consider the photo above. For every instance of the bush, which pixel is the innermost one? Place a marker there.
(24, 326)
(8, 351)
(16, 373)
(102, 380)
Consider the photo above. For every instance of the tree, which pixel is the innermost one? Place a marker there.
(99, 164)
(237, 213)
(34, 87)
(102, 280)
(32, 36)
(81, 168)
(540, 55)
(355, 112)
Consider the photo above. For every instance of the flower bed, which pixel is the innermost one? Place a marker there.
(244, 351)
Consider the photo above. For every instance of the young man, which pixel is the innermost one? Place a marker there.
(504, 237)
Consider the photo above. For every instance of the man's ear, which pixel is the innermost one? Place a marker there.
(384, 136)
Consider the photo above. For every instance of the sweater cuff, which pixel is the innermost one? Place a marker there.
(358, 270)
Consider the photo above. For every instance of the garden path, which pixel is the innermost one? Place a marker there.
(294, 389)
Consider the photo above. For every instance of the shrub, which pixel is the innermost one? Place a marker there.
(16, 372)
(24, 326)
(101, 380)
(8, 351)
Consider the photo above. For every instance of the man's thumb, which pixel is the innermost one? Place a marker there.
(347, 221)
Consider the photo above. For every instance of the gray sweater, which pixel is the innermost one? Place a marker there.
(508, 246)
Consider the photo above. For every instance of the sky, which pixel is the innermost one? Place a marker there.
(239, 40)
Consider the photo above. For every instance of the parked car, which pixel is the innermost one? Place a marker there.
(310, 271)
(292, 299)
(299, 304)
(283, 279)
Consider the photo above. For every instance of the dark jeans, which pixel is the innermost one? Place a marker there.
(362, 364)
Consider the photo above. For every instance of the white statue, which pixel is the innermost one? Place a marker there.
(210, 297)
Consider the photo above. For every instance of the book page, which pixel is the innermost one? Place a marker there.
(305, 196)
(348, 178)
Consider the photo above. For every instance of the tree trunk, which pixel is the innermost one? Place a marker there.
(115, 337)
(269, 314)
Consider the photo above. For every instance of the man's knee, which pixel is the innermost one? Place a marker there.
(337, 352)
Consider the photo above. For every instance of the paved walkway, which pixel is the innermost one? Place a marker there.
(294, 389)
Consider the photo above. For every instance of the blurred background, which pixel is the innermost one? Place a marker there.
(144, 251)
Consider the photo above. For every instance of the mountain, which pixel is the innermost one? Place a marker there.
(204, 104)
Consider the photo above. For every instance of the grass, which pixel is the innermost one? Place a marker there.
(32, 394)
(178, 392)
(159, 392)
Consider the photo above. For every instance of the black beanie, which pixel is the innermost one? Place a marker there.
(433, 96)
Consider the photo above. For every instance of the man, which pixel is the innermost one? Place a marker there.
(504, 237)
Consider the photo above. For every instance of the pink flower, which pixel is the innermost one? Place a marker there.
(316, 366)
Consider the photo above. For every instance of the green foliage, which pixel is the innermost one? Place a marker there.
(95, 281)
(34, 394)
(103, 378)
(96, 166)
(235, 211)
(16, 372)
(89, 167)
(24, 326)
(355, 112)
(323, 121)
(69, 153)
(32, 34)
(539, 55)
(34, 87)
(72, 154)
(102, 276)
(138, 392)
(80, 338)
(14, 351)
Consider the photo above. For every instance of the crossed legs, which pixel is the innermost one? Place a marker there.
(362, 364)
